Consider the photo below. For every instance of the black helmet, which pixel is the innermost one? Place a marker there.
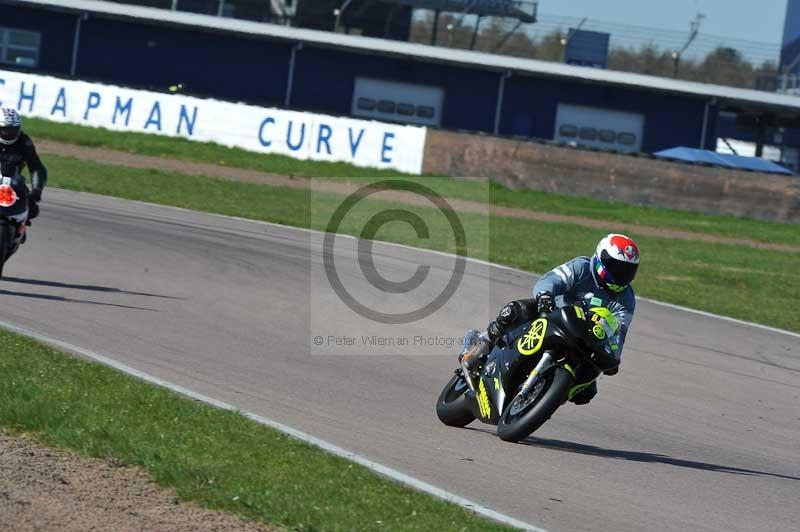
(10, 125)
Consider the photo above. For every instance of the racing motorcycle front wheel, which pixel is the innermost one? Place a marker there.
(527, 412)
(453, 407)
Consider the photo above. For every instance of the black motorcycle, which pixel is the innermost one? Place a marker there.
(13, 215)
(531, 371)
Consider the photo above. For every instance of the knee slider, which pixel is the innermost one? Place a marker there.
(508, 314)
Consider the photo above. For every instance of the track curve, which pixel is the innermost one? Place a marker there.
(699, 431)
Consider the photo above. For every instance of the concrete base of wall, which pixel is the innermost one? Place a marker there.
(610, 176)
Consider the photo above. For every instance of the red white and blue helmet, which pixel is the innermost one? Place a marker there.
(615, 262)
(10, 125)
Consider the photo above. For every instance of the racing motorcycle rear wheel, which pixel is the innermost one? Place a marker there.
(525, 414)
(453, 407)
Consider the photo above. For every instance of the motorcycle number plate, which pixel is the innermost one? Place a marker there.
(7, 196)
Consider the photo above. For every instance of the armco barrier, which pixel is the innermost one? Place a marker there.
(265, 130)
(611, 176)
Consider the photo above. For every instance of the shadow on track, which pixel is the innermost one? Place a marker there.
(93, 288)
(634, 456)
(70, 300)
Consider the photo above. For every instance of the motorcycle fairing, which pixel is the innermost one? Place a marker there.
(519, 351)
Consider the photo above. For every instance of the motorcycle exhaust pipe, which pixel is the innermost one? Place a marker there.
(473, 349)
(467, 377)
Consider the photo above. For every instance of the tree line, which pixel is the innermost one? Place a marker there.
(722, 66)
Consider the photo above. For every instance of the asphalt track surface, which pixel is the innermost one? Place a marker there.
(699, 431)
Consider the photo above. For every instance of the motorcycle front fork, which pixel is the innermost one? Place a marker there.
(546, 362)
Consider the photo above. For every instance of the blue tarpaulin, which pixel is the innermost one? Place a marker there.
(693, 155)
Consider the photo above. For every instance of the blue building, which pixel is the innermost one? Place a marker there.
(790, 48)
(388, 80)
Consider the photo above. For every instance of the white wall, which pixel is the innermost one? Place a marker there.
(264, 130)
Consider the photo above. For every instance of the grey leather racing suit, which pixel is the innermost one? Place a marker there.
(575, 278)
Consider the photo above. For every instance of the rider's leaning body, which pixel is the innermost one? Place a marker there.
(18, 151)
(603, 279)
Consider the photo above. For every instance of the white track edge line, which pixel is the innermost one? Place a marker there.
(445, 254)
(335, 450)
(717, 316)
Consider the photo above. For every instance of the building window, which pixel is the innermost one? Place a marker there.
(386, 106)
(367, 104)
(20, 47)
(568, 130)
(587, 133)
(406, 109)
(425, 111)
(606, 135)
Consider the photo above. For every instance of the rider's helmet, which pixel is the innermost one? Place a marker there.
(10, 125)
(615, 262)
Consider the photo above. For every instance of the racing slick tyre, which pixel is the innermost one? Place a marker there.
(524, 415)
(453, 407)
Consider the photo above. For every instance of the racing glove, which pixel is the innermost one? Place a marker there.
(34, 197)
(545, 302)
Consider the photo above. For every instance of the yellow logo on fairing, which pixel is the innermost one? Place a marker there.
(532, 341)
(483, 401)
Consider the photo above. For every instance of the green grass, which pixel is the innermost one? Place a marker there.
(496, 194)
(215, 457)
(726, 279)
(179, 148)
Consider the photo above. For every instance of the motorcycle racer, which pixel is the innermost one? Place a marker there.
(603, 279)
(17, 151)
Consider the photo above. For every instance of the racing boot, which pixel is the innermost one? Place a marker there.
(584, 396)
(587, 373)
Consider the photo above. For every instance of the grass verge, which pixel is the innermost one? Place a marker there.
(217, 458)
(180, 148)
(158, 146)
(721, 278)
